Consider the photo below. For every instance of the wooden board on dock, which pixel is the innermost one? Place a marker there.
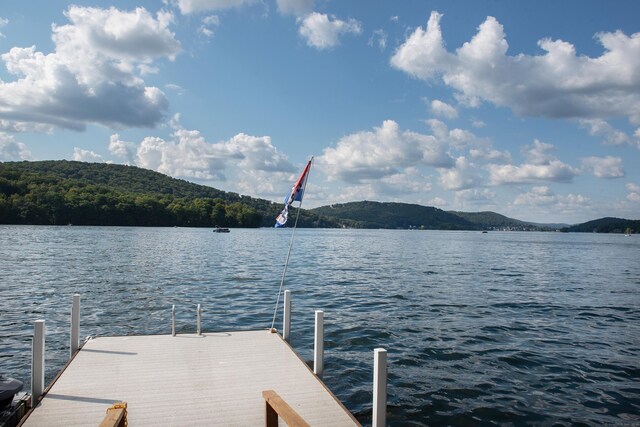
(215, 379)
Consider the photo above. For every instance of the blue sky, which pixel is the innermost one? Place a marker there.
(529, 109)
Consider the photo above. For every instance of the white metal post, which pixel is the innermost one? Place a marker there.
(286, 321)
(37, 362)
(173, 320)
(75, 324)
(318, 344)
(379, 387)
(198, 317)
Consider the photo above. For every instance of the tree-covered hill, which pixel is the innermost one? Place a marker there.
(67, 192)
(606, 225)
(495, 221)
(396, 215)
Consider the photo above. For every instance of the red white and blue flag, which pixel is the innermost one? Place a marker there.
(295, 195)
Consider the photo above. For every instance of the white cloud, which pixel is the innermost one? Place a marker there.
(437, 201)
(373, 155)
(209, 25)
(463, 176)
(557, 84)
(442, 109)
(604, 167)
(554, 171)
(176, 88)
(3, 22)
(188, 7)
(395, 187)
(477, 123)
(94, 75)
(461, 140)
(323, 31)
(252, 160)
(539, 153)
(81, 155)
(599, 127)
(544, 197)
(634, 192)
(540, 166)
(11, 150)
(379, 38)
(295, 7)
(123, 150)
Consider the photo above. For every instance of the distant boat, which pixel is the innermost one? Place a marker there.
(221, 230)
(628, 231)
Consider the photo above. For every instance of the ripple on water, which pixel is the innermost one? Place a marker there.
(497, 329)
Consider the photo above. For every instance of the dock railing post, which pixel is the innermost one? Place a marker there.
(173, 320)
(286, 321)
(198, 319)
(379, 387)
(75, 324)
(318, 344)
(37, 362)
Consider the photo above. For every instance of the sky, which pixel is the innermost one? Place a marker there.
(529, 109)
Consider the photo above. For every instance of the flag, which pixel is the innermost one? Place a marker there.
(295, 195)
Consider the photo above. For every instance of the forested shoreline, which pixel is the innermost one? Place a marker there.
(29, 195)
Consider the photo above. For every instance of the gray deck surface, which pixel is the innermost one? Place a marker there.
(215, 379)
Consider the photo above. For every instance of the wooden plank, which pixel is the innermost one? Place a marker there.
(276, 406)
(116, 416)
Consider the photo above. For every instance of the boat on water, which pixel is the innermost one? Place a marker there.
(221, 230)
(13, 406)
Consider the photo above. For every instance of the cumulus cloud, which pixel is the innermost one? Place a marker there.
(461, 140)
(604, 167)
(95, 73)
(544, 197)
(634, 192)
(384, 152)
(323, 31)
(253, 161)
(122, 149)
(188, 7)
(610, 135)
(11, 150)
(540, 166)
(442, 109)
(462, 176)
(81, 155)
(557, 84)
(295, 7)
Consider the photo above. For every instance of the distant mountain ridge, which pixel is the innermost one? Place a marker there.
(61, 192)
(405, 215)
(606, 225)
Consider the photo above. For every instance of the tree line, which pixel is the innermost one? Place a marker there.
(35, 197)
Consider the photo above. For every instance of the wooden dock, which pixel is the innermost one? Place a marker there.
(213, 379)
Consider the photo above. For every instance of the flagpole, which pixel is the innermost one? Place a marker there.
(286, 263)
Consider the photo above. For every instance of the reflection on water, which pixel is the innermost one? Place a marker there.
(497, 328)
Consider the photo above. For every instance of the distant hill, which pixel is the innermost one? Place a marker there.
(396, 215)
(494, 221)
(62, 192)
(67, 192)
(606, 225)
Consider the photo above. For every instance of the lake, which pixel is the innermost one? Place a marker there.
(502, 328)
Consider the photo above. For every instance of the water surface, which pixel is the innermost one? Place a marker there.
(503, 328)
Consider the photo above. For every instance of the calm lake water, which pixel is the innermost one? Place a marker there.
(503, 328)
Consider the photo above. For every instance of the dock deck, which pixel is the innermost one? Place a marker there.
(213, 379)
